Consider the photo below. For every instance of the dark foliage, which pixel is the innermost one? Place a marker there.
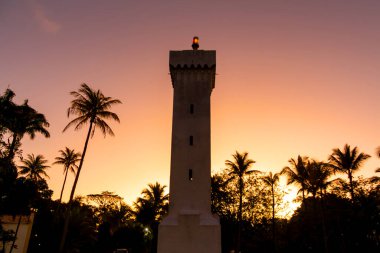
(131, 236)
(349, 227)
(48, 225)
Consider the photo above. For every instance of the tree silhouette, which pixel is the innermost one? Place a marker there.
(222, 197)
(68, 159)
(151, 207)
(271, 181)
(238, 168)
(20, 120)
(91, 107)
(34, 167)
(105, 199)
(348, 161)
(111, 213)
(318, 174)
(297, 173)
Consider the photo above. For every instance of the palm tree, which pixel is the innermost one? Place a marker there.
(91, 107)
(271, 181)
(34, 167)
(68, 159)
(318, 174)
(348, 161)
(297, 173)
(156, 200)
(20, 120)
(238, 168)
(151, 207)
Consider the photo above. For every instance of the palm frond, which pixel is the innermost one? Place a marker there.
(68, 158)
(34, 166)
(78, 122)
(347, 161)
(92, 106)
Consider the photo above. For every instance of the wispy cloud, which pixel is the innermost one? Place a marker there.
(46, 23)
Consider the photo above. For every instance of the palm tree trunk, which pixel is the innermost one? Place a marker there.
(63, 186)
(273, 221)
(324, 230)
(351, 186)
(68, 212)
(303, 198)
(81, 162)
(11, 153)
(240, 215)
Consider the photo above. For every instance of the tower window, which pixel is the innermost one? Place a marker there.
(191, 140)
(190, 174)
(192, 108)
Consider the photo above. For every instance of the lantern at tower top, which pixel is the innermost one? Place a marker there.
(195, 44)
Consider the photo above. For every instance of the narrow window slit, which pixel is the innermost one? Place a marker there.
(192, 108)
(190, 174)
(191, 140)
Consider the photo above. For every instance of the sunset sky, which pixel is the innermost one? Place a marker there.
(293, 77)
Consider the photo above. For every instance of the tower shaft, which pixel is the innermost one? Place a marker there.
(190, 226)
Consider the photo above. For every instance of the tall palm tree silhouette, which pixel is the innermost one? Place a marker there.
(34, 167)
(91, 107)
(297, 173)
(271, 181)
(348, 161)
(238, 168)
(318, 175)
(68, 159)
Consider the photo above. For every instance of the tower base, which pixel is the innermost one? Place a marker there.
(189, 233)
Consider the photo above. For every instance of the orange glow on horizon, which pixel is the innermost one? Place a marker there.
(297, 79)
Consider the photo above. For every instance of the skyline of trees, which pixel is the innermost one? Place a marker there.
(247, 201)
(6, 102)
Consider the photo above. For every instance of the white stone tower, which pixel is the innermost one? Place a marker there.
(190, 226)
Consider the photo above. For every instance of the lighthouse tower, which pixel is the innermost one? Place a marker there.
(190, 226)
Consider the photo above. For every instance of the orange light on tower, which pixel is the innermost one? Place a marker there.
(195, 44)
